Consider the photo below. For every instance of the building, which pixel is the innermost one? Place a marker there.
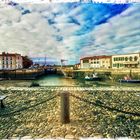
(126, 60)
(96, 62)
(10, 61)
(77, 66)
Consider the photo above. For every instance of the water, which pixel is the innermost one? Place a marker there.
(58, 80)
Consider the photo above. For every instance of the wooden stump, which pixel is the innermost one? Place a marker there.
(65, 107)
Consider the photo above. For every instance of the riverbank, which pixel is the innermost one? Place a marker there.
(21, 74)
(109, 73)
(35, 112)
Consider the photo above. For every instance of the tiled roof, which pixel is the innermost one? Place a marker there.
(96, 57)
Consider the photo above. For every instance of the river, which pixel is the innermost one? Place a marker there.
(58, 80)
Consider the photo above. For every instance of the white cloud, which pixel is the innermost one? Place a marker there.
(31, 34)
(120, 35)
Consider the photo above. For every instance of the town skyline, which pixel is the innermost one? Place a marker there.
(70, 30)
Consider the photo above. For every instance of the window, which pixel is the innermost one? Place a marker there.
(130, 58)
(126, 58)
(114, 65)
(135, 58)
(85, 61)
(121, 65)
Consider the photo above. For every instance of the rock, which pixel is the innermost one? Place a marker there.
(69, 137)
(74, 131)
(26, 138)
(14, 138)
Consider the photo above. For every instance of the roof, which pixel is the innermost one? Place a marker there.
(138, 53)
(96, 57)
(9, 54)
(77, 64)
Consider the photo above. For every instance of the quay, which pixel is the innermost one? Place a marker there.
(34, 73)
(74, 88)
(35, 113)
(21, 74)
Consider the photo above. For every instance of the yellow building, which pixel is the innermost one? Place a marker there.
(126, 60)
(10, 61)
(96, 62)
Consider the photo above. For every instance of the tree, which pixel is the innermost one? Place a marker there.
(27, 62)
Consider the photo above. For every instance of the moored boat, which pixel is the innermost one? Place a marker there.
(1, 79)
(129, 81)
(93, 78)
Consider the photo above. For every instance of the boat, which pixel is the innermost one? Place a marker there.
(129, 81)
(1, 79)
(94, 78)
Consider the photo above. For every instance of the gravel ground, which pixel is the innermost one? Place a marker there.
(36, 113)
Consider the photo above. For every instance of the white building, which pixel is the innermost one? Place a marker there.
(96, 62)
(10, 61)
(126, 60)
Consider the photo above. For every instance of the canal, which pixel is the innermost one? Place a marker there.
(59, 80)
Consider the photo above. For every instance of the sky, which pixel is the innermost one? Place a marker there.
(69, 31)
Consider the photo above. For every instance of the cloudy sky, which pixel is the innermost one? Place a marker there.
(69, 30)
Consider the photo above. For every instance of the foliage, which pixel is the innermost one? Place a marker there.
(27, 62)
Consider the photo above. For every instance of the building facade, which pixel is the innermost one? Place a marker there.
(77, 66)
(126, 60)
(96, 62)
(10, 61)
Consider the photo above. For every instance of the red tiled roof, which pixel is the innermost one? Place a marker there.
(96, 57)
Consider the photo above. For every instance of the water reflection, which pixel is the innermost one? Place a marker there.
(56, 80)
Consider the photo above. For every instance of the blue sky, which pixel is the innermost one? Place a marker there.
(69, 30)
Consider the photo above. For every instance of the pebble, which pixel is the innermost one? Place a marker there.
(69, 137)
(44, 120)
(26, 138)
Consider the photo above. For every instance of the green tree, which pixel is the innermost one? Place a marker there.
(27, 62)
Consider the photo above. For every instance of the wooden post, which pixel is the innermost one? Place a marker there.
(65, 114)
(2, 105)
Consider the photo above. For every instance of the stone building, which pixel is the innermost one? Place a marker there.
(10, 61)
(96, 62)
(126, 60)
